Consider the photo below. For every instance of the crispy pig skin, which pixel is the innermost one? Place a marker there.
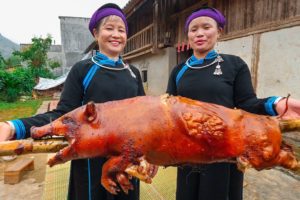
(167, 131)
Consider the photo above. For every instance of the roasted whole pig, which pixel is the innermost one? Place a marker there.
(167, 131)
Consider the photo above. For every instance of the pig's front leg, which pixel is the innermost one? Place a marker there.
(113, 174)
(63, 156)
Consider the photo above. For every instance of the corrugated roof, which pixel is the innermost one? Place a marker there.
(46, 83)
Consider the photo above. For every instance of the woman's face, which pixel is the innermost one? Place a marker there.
(203, 33)
(111, 36)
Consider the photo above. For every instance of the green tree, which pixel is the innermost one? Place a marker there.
(2, 62)
(13, 62)
(34, 63)
(53, 63)
(15, 83)
(36, 53)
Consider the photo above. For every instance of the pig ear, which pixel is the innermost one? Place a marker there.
(90, 111)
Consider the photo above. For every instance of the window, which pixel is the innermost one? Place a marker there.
(144, 76)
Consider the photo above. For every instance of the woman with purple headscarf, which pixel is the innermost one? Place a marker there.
(104, 77)
(221, 79)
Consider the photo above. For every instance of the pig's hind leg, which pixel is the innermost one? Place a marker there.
(286, 158)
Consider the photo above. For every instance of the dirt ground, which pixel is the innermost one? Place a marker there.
(264, 185)
(32, 183)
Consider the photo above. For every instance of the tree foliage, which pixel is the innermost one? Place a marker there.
(36, 53)
(2, 62)
(21, 71)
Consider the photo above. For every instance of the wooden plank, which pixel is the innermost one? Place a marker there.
(268, 10)
(276, 4)
(285, 14)
(211, 3)
(241, 11)
(139, 40)
(226, 13)
(180, 30)
(282, 10)
(137, 54)
(133, 6)
(249, 15)
(140, 32)
(259, 12)
(138, 50)
(230, 15)
(162, 20)
(271, 26)
(297, 8)
(238, 15)
(242, 16)
(231, 7)
(14, 172)
(155, 25)
(278, 10)
(292, 8)
(189, 10)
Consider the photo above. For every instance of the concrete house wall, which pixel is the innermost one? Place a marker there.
(75, 38)
(263, 33)
(158, 68)
(55, 53)
(278, 62)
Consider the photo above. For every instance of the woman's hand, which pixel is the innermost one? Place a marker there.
(6, 132)
(288, 108)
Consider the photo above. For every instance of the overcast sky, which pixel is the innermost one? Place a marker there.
(21, 20)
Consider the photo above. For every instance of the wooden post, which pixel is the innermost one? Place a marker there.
(155, 26)
(255, 59)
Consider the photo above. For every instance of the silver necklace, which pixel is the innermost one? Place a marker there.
(125, 66)
(217, 71)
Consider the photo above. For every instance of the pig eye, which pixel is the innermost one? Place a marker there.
(67, 120)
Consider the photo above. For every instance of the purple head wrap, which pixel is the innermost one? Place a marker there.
(208, 12)
(104, 12)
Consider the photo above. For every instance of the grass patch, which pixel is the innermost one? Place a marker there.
(9, 111)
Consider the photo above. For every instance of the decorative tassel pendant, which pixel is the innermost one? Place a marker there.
(218, 70)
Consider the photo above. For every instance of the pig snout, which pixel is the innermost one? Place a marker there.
(39, 132)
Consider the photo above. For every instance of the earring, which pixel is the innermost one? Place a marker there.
(217, 47)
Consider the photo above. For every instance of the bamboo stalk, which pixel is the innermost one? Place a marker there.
(17, 147)
(289, 125)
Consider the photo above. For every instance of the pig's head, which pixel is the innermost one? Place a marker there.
(69, 124)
